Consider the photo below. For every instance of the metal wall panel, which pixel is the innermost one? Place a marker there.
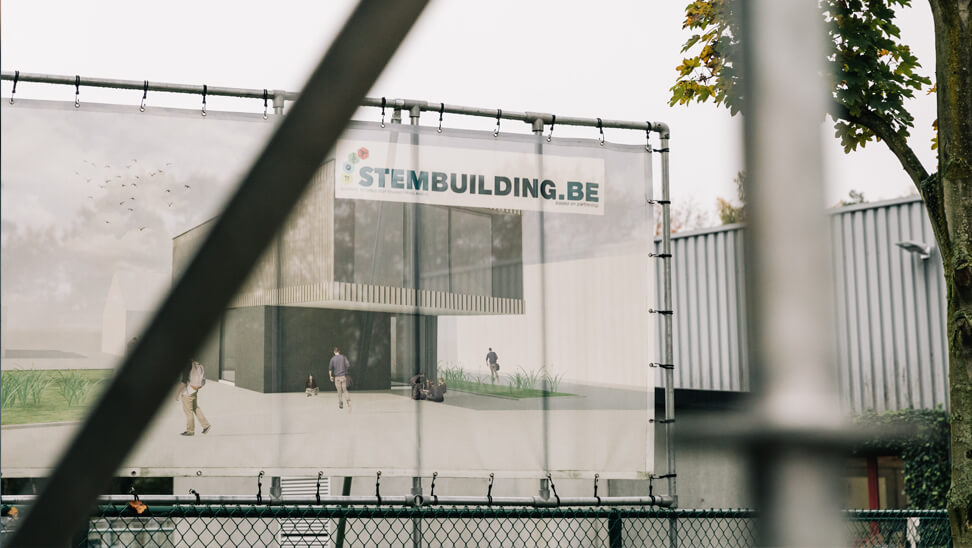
(890, 308)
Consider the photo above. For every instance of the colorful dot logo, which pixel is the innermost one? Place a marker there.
(348, 168)
(363, 153)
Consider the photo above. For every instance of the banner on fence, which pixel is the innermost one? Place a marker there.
(452, 302)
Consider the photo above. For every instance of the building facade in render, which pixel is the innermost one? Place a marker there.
(369, 277)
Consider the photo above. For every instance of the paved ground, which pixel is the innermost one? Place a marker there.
(582, 398)
(468, 435)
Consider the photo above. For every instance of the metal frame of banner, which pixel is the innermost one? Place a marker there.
(411, 499)
(538, 121)
(279, 97)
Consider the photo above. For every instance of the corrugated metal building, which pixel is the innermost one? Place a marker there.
(889, 309)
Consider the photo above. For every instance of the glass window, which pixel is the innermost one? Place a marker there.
(433, 248)
(378, 243)
(470, 243)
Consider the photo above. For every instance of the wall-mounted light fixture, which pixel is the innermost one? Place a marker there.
(922, 249)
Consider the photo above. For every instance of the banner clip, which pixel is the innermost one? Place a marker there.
(600, 127)
(553, 121)
(265, 95)
(14, 90)
(383, 112)
(77, 91)
(378, 487)
(141, 106)
(596, 477)
(205, 91)
(194, 492)
(260, 488)
(553, 488)
(489, 491)
(499, 114)
(441, 110)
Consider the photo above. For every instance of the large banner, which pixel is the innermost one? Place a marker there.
(446, 302)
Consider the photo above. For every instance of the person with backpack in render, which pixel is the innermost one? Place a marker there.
(436, 392)
(492, 361)
(338, 370)
(193, 379)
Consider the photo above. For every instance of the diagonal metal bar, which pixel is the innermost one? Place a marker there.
(253, 215)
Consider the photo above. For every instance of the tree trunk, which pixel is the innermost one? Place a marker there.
(951, 209)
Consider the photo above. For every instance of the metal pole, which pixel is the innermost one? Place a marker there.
(342, 522)
(541, 501)
(666, 257)
(667, 318)
(279, 96)
(537, 129)
(615, 530)
(798, 411)
(264, 199)
(139, 85)
(417, 521)
(414, 113)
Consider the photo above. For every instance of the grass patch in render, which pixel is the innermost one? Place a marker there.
(40, 396)
(518, 386)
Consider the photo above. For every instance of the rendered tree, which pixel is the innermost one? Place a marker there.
(872, 74)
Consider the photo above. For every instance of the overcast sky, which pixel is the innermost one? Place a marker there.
(610, 60)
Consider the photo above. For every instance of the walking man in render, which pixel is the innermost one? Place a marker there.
(338, 370)
(492, 362)
(193, 379)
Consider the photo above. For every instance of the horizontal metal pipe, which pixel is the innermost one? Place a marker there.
(399, 500)
(393, 104)
(153, 86)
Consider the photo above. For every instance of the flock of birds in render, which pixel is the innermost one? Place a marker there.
(131, 185)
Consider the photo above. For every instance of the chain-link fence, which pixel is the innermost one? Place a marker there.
(265, 525)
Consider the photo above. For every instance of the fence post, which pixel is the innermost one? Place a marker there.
(797, 419)
(417, 521)
(614, 530)
(342, 521)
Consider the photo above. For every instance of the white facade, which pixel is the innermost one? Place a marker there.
(585, 319)
(132, 296)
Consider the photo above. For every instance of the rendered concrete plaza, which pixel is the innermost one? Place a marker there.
(290, 434)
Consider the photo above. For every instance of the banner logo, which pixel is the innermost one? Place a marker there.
(470, 177)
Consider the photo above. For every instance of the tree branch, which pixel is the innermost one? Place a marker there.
(899, 147)
(929, 186)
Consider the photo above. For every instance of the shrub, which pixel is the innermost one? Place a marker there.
(73, 386)
(26, 386)
(551, 382)
(9, 390)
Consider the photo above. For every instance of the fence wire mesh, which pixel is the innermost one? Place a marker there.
(287, 526)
